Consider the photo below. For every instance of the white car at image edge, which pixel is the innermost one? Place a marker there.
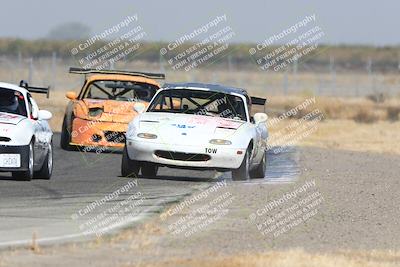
(200, 127)
(25, 135)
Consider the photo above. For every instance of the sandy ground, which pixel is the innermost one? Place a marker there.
(347, 202)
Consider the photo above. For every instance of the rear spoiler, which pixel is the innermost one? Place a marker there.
(258, 101)
(159, 76)
(34, 89)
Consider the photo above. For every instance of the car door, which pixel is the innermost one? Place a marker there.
(259, 140)
(38, 130)
(262, 136)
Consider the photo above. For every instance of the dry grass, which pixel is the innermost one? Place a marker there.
(349, 124)
(292, 258)
(380, 137)
(34, 247)
(393, 113)
(366, 115)
(141, 237)
(359, 109)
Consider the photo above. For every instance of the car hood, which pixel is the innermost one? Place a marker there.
(15, 129)
(8, 118)
(187, 128)
(113, 111)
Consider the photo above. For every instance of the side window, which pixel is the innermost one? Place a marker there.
(96, 91)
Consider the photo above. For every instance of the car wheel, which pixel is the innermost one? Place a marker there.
(259, 172)
(47, 168)
(149, 169)
(242, 173)
(66, 135)
(129, 168)
(28, 174)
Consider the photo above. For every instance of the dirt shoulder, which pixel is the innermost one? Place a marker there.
(347, 212)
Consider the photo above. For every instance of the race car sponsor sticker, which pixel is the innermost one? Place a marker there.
(10, 160)
(10, 118)
(183, 126)
(211, 150)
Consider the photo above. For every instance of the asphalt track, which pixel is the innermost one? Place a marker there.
(48, 211)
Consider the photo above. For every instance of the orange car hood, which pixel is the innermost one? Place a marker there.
(113, 111)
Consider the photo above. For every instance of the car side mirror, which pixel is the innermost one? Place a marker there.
(44, 115)
(71, 95)
(260, 118)
(139, 107)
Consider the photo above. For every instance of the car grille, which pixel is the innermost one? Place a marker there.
(181, 156)
(4, 139)
(115, 137)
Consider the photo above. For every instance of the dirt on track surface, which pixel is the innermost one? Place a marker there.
(343, 201)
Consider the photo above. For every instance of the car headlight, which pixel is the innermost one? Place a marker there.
(147, 135)
(220, 142)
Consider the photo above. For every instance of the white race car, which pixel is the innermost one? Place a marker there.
(25, 135)
(197, 126)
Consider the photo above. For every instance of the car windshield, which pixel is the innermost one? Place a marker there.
(206, 103)
(121, 91)
(12, 101)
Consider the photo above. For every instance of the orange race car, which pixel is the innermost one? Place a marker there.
(98, 116)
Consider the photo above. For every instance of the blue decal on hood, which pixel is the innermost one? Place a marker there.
(183, 126)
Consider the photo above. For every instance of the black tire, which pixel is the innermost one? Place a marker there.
(259, 171)
(129, 168)
(149, 169)
(28, 174)
(66, 135)
(47, 168)
(242, 173)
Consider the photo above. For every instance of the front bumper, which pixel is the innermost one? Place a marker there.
(21, 150)
(98, 134)
(210, 157)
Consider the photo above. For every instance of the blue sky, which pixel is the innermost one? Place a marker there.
(344, 22)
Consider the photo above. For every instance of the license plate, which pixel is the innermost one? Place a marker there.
(10, 160)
